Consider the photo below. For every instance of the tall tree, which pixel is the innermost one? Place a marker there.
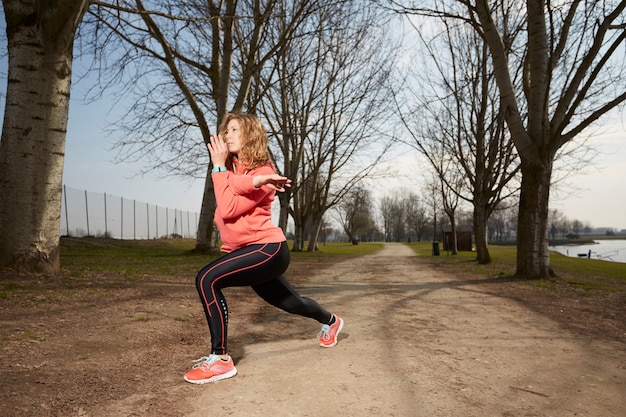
(450, 203)
(392, 212)
(459, 124)
(327, 96)
(572, 73)
(40, 37)
(354, 213)
(416, 218)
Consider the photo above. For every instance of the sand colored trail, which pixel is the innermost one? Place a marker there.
(418, 343)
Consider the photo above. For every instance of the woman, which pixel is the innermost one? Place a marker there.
(257, 254)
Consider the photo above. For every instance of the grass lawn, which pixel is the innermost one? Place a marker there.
(579, 272)
(139, 258)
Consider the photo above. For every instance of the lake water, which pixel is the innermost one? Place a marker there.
(606, 250)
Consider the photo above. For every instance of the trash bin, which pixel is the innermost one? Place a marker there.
(435, 248)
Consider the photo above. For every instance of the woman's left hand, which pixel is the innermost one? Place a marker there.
(272, 181)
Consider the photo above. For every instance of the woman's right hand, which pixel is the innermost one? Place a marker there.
(218, 150)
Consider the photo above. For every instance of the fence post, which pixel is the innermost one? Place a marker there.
(87, 212)
(106, 229)
(122, 218)
(81, 211)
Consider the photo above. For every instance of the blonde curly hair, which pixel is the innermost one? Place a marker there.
(254, 141)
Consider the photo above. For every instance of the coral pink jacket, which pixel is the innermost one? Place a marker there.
(243, 215)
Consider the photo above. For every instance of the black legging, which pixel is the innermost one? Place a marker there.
(260, 266)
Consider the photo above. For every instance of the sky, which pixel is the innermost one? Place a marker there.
(599, 194)
(595, 195)
(89, 164)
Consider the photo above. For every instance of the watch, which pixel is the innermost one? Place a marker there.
(218, 169)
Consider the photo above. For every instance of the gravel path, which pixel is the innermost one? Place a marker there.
(418, 343)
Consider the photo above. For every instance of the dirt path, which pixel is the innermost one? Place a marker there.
(416, 343)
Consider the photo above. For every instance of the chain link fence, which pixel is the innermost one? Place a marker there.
(85, 213)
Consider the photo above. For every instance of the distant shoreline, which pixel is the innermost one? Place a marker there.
(586, 240)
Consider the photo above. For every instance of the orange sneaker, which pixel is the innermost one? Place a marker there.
(210, 369)
(328, 335)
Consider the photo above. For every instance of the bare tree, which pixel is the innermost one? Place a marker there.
(432, 191)
(386, 208)
(40, 37)
(407, 214)
(450, 203)
(394, 216)
(354, 213)
(577, 227)
(398, 230)
(502, 222)
(573, 74)
(416, 217)
(459, 123)
(327, 96)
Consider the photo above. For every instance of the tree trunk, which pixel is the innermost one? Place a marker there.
(315, 233)
(206, 240)
(455, 246)
(298, 241)
(40, 42)
(480, 235)
(533, 257)
(283, 218)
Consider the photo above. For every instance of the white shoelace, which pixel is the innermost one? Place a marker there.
(204, 361)
(324, 332)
